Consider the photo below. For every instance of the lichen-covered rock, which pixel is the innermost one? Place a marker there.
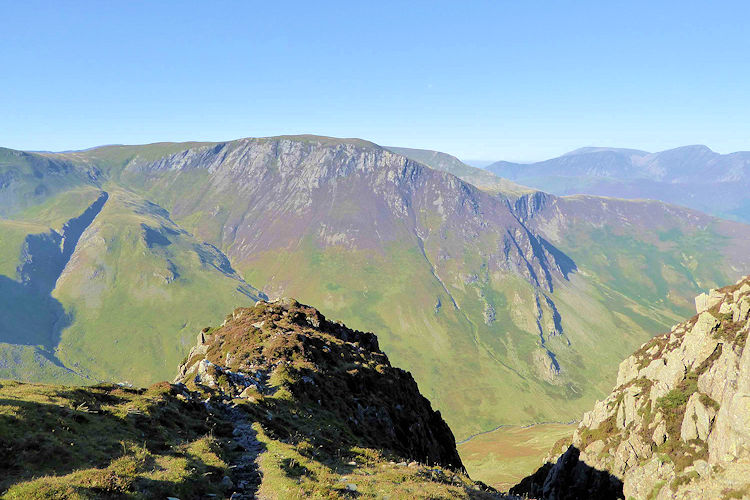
(696, 424)
(678, 419)
(660, 433)
(731, 439)
(704, 302)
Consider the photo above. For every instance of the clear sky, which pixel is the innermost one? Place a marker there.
(514, 80)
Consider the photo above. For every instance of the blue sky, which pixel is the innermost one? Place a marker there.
(515, 80)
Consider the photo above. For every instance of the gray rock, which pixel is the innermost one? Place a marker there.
(699, 342)
(593, 450)
(226, 483)
(628, 371)
(743, 290)
(704, 302)
(721, 377)
(203, 376)
(731, 436)
(660, 433)
(629, 453)
(639, 482)
(743, 310)
(702, 468)
(696, 424)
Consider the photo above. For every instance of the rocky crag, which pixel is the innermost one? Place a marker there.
(299, 369)
(677, 425)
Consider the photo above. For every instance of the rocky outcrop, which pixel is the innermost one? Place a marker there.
(303, 375)
(677, 425)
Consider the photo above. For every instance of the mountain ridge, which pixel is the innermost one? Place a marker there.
(385, 242)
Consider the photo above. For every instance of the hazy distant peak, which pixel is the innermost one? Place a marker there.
(687, 152)
(596, 149)
(692, 148)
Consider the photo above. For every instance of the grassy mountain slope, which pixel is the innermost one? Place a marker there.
(134, 254)
(57, 301)
(503, 457)
(363, 232)
(28, 179)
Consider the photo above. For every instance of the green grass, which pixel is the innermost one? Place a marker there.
(57, 210)
(296, 471)
(105, 441)
(29, 363)
(111, 285)
(12, 236)
(503, 457)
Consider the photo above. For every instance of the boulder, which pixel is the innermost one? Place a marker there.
(699, 342)
(595, 417)
(704, 302)
(204, 375)
(629, 453)
(660, 433)
(721, 377)
(627, 412)
(696, 423)
(702, 468)
(642, 482)
(593, 450)
(731, 436)
(664, 372)
(628, 371)
(743, 290)
(742, 310)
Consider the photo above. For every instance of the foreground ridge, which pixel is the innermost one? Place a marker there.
(278, 402)
(677, 424)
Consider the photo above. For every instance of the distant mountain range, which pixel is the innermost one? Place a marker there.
(691, 176)
(507, 304)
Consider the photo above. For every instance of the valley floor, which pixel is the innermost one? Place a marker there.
(503, 457)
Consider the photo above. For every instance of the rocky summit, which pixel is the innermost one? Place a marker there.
(278, 402)
(677, 425)
(307, 375)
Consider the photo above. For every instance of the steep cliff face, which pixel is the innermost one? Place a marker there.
(271, 192)
(291, 362)
(677, 425)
